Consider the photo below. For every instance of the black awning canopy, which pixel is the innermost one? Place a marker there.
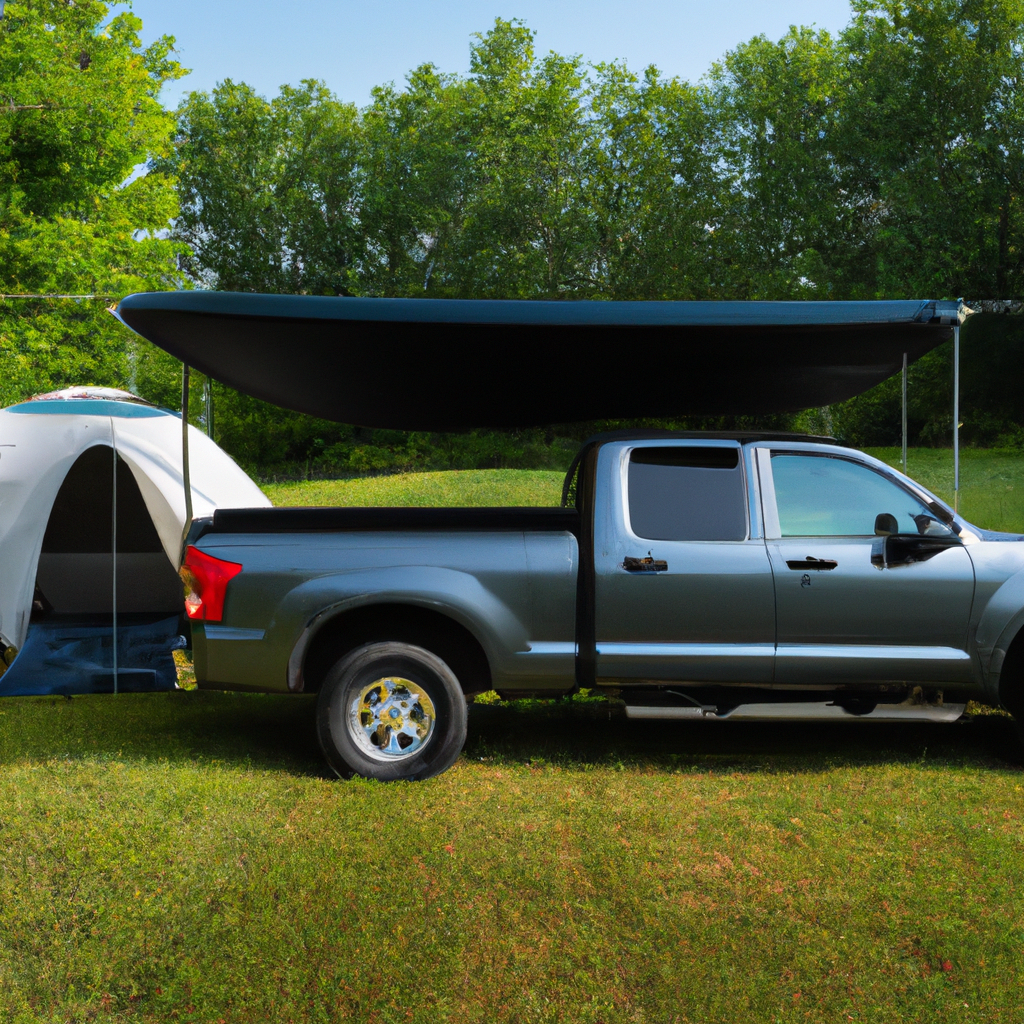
(454, 364)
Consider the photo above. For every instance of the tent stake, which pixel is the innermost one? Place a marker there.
(185, 478)
(956, 418)
(113, 544)
(904, 412)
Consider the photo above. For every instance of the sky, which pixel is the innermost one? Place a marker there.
(353, 46)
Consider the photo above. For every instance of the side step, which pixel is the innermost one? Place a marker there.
(802, 712)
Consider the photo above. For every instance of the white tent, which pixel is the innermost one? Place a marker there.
(58, 490)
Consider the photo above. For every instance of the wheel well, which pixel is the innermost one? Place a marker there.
(435, 632)
(1011, 676)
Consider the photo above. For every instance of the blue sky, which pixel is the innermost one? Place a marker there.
(355, 46)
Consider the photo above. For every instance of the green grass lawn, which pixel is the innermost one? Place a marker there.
(477, 487)
(183, 857)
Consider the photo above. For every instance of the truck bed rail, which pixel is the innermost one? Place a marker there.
(366, 520)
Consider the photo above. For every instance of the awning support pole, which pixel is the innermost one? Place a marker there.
(185, 478)
(904, 412)
(956, 418)
(113, 546)
(208, 397)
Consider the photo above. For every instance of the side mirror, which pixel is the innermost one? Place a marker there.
(907, 548)
(886, 524)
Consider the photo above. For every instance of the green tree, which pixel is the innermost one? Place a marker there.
(933, 136)
(418, 179)
(267, 189)
(787, 225)
(656, 188)
(80, 118)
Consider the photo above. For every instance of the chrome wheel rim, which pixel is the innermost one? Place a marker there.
(391, 718)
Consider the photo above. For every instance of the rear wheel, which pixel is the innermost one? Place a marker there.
(391, 711)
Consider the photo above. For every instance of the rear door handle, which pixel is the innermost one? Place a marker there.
(647, 564)
(810, 562)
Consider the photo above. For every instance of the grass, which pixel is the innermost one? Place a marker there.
(183, 857)
(476, 487)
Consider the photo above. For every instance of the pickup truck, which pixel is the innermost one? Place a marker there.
(708, 576)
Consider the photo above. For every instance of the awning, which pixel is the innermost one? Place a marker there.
(453, 364)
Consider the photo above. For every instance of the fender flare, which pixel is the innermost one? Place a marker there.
(1001, 622)
(457, 595)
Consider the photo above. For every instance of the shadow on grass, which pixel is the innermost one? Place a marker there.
(574, 734)
(260, 731)
(276, 733)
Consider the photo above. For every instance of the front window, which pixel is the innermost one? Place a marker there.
(824, 496)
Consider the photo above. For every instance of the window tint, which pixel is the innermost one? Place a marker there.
(687, 494)
(828, 497)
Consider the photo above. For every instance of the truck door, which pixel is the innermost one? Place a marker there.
(702, 608)
(869, 585)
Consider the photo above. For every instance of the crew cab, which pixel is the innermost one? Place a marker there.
(694, 575)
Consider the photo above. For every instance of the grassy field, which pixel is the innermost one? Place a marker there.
(183, 857)
(476, 487)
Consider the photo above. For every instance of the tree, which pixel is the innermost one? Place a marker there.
(933, 135)
(789, 221)
(267, 189)
(79, 120)
(418, 179)
(656, 188)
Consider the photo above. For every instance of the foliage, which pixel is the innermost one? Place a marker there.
(932, 136)
(79, 114)
(881, 162)
(266, 188)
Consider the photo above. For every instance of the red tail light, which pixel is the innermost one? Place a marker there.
(206, 581)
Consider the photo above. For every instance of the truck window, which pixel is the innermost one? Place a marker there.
(824, 496)
(687, 494)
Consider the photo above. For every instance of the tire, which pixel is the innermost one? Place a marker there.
(391, 711)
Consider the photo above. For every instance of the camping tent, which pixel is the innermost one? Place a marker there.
(62, 502)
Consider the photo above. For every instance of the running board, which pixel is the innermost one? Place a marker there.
(802, 712)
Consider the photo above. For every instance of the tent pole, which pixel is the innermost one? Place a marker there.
(956, 418)
(113, 545)
(208, 396)
(904, 412)
(185, 478)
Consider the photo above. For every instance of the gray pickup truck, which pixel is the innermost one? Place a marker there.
(695, 575)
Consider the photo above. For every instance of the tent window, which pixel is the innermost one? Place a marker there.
(75, 566)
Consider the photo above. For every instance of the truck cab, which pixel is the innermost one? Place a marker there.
(778, 563)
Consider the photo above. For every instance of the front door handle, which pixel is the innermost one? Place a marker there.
(810, 562)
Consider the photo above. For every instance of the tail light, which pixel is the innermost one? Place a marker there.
(206, 581)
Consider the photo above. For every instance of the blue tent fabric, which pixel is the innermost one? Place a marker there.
(71, 657)
(455, 364)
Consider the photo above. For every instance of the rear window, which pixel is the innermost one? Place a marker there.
(687, 494)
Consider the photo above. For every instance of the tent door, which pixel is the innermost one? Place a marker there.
(69, 648)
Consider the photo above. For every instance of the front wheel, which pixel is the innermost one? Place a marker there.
(391, 711)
